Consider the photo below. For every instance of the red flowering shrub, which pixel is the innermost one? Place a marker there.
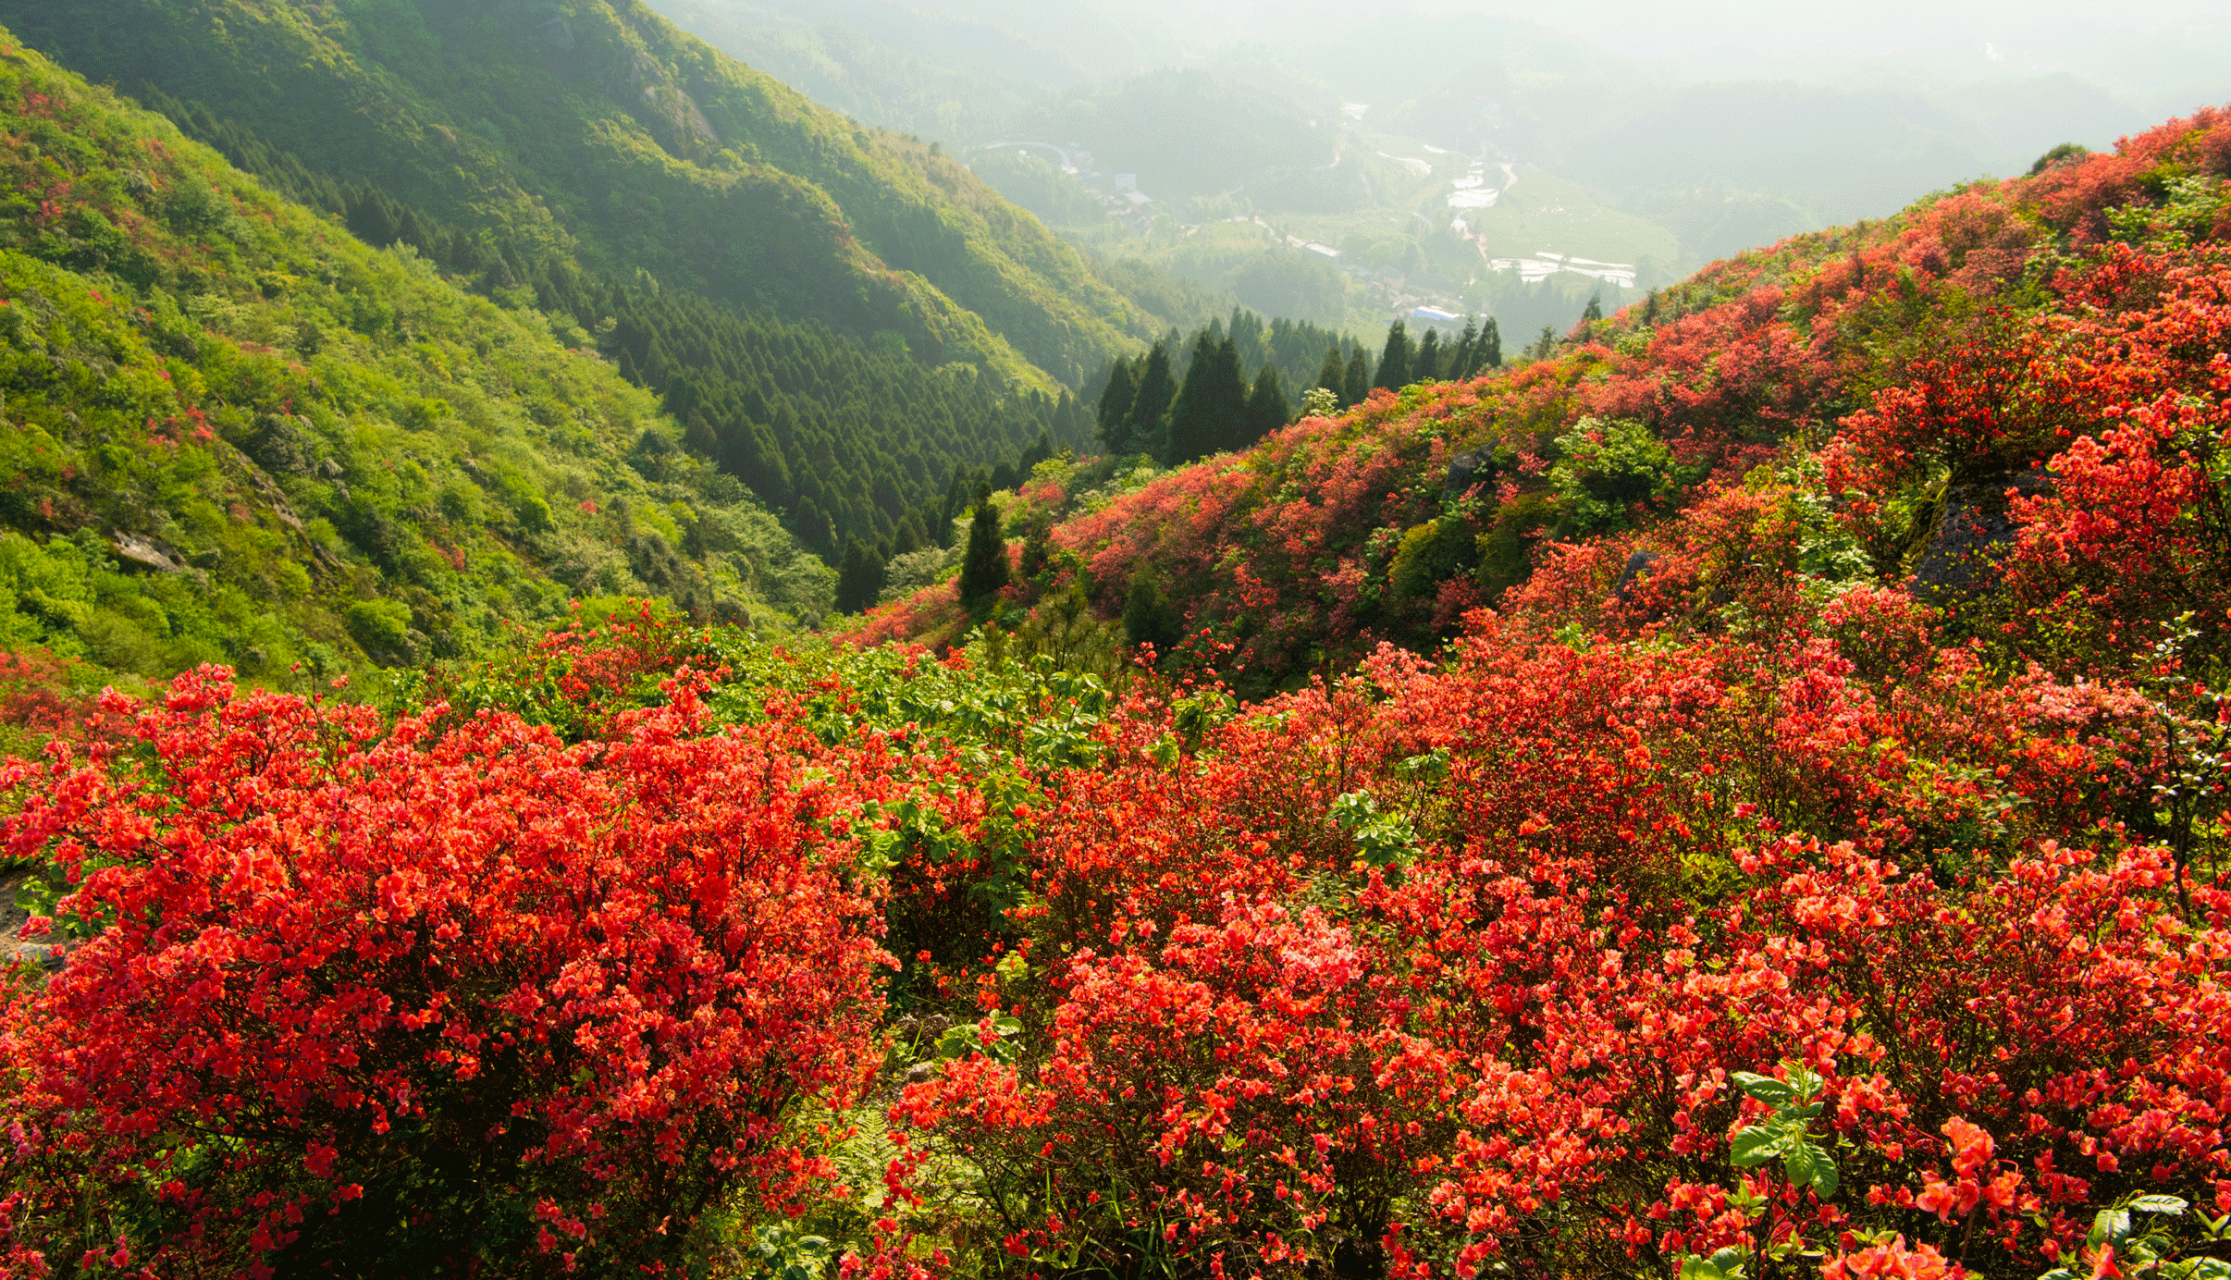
(1230, 1097)
(382, 1001)
(1460, 966)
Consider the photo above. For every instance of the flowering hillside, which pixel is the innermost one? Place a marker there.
(2048, 335)
(1746, 797)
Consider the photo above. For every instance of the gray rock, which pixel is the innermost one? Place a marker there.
(143, 552)
(1960, 559)
(1470, 470)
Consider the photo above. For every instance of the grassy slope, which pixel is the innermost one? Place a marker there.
(601, 128)
(236, 434)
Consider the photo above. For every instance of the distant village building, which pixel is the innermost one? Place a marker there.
(1435, 315)
(1544, 264)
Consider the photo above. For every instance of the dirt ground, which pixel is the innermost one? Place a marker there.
(13, 946)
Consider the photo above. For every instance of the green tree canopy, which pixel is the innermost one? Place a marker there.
(1333, 376)
(1394, 359)
(1357, 384)
(1210, 413)
(1267, 409)
(984, 564)
(1157, 388)
(1426, 367)
(1115, 409)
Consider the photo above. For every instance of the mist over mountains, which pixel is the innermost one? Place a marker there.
(1724, 125)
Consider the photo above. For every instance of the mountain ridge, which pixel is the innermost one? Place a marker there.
(475, 137)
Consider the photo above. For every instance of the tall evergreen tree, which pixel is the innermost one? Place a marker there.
(1115, 409)
(1394, 359)
(1157, 388)
(1210, 412)
(1147, 617)
(1426, 366)
(907, 538)
(1267, 409)
(984, 564)
(1333, 376)
(958, 493)
(859, 578)
(1069, 419)
(1594, 311)
(1464, 360)
(815, 531)
(1358, 386)
(1491, 346)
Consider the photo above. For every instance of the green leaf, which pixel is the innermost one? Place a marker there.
(1730, 1260)
(2171, 1205)
(1727, 1264)
(1819, 1169)
(2110, 1227)
(1805, 1081)
(1766, 1089)
(1759, 1143)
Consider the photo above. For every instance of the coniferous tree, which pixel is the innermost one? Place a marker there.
(1545, 343)
(957, 498)
(1069, 420)
(1358, 386)
(1038, 552)
(1464, 359)
(1210, 412)
(1426, 365)
(1394, 359)
(1333, 376)
(1491, 346)
(907, 538)
(699, 436)
(1115, 409)
(1267, 409)
(1147, 617)
(1594, 311)
(859, 578)
(1157, 388)
(815, 531)
(984, 564)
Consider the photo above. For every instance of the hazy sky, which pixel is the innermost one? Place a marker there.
(2162, 55)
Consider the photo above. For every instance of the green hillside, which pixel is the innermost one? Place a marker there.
(235, 434)
(865, 323)
(600, 129)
